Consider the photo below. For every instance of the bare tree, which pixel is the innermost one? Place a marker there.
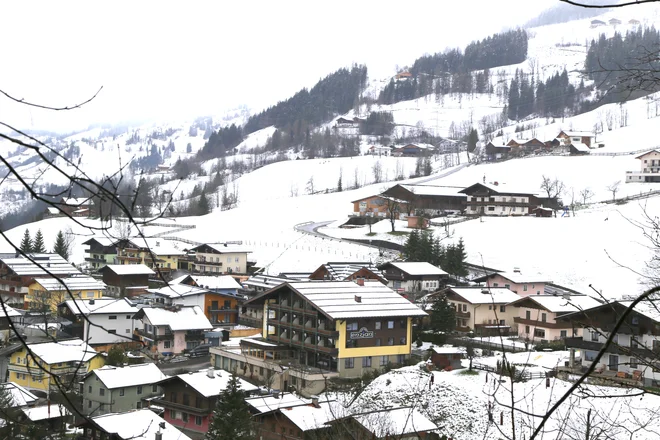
(393, 206)
(310, 185)
(553, 188)
(614, 188)
(586, 195)
(377, 169)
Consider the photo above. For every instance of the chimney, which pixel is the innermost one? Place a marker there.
(209, 373)
(358, 299)
(516, 270)
(315, 402)
(360, 281)
(91, 302)
(159, 435)
(566, 296)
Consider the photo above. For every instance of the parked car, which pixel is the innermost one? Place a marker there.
(200, 350)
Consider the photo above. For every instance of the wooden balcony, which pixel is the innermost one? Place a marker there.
(281, 340)
(639, 351)
(187, 408)
(462, 314)
(542, 324)
(277, 323)
(250, 321)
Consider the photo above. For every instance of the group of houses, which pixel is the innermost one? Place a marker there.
(407, 201)
(572, 142)
(613, 22)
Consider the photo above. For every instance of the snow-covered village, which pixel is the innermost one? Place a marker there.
(299, 222)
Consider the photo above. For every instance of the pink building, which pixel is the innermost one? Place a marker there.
(170, 330)
(515, 281)
(537, 315)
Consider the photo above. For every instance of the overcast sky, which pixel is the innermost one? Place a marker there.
(175, 60)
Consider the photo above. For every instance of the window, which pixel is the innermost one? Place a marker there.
(101, 391)
(528, 314)
(90, 294)
(635, 320)
(400, 359)
(402, 323)
(377, 325)
(173, 396)
(524, 287)
(89, 388)
(390, 324)
(507, 286)
(491, 208)
(128, 316)
(112, 317)
(236, 260)
(184, 417)
(502, 309)
(366, 362)
(495, 284)
(526, 329)
(633, 342)
(121, 391)
(633, 363)
(166, 344)
(539, 333)
(172, 414)
(490, 307)
(112, 331)
(390, 341)
(352, 326)
(139, 389)
(562, 334)
(543, 317)
(377, 342)
(154, 388)
(198, 421)
(465, 307)
(402, 341)
(384, 360)
(261, 371)
(502, 322)
(138, 405)
(351, 343)
(349, 363)
(594, 336)
(228, 259)
(89, 404)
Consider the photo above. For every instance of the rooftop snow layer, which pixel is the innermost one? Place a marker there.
(101, 306)
(130, 269)
(131, 375)
(395, 422)
(72, 350)
(481, 295)
(559, 304)
(212, 386)
(141, 424)
(19, 395)
(44, 412)
(418, 268)
(81, 282)
(184, 318)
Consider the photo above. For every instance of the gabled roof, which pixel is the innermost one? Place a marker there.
(217, 282)
(498, 189)
(337, 299)
(266, 404)
(558, 304)
(341, 271)
(129, 376)
(19, 395)
(45, 412)
(100, 306)
(128, 269)
(177, 318)
(8, 312)
(433, 190)
(77, 201)
(209, 385)
(310, 417)
(515, 277)
(416, 268)
(81, 282)
(394, 422)
(222, 248)
(141, 424)
(102, 240)
(52, 263)
(577, 133)
(482, 295)
(648, 152)
(72, 350)
(649, 308)
(265, 281)
(579, 146)
(178, 290)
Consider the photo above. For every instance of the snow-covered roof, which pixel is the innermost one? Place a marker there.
(129, 376)
(213, 384)
(141, 424)
(483, 295)
(339, 271)
(53, 263)
(432, 190)
(559, 304)
(578, 133)
(101, 306)
(159, 246)
(19, 395)
(580, 147)
(395, 422)
(45, 412)
(129, 269)
(8, 311)
(103, 241)
(648, 307)
(648, 152)
(80, 282)
(503, 188)
(418, 268)
(178, 318)
(73, 201)
(53, 210)
(219, 282)
(178, 290)
(265, 281)
(265, 404)
(338, 299)
(309, 417)
(519, 277)
(222, 248)
(448, 349)
(72, 350)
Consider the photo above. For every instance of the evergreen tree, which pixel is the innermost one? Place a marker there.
(514, 100)
(339, 184)
(428, 168)
(26, 243)
(203, 207)
(60, 246)
(116, 356)
(443, 315)
(231, 418)
(38, 244)
(473, 138)
(410, 248)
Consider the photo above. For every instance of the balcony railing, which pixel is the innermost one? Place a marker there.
(155, 337)
(194, 337)
(250, 321)
(278, 323)
(640, 350)
(221, 309)
(541, 324)
(174, 405)
(460, 314)
(496, 203)
(309, 346)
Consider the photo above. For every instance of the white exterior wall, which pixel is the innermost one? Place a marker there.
(499, 206)
(481, 314)
(122, 325)
(231, 262)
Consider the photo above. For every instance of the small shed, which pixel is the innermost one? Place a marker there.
(578, 149)
(542, 211)
(417, 222)
(447, 356)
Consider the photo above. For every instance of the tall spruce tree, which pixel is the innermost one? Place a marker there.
(443, 315)
(26, 243)
(60, 246)
(203, 207)
(38, 245)
(231, 418)
(473, 138)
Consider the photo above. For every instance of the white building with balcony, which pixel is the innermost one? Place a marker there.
(649, 168)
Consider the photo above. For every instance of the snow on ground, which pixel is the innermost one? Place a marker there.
(459, 404)
(256, 139)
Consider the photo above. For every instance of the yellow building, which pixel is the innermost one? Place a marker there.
(66, 360)
(155, 253)
(331, 328)
(45, 294)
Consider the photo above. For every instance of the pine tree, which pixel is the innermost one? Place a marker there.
(38, 246)
(473, 138)
(203, 207)
(231, 418)
(60, 246)
(443, 315)
(26, 243)
(339, 184)
(410, 248)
